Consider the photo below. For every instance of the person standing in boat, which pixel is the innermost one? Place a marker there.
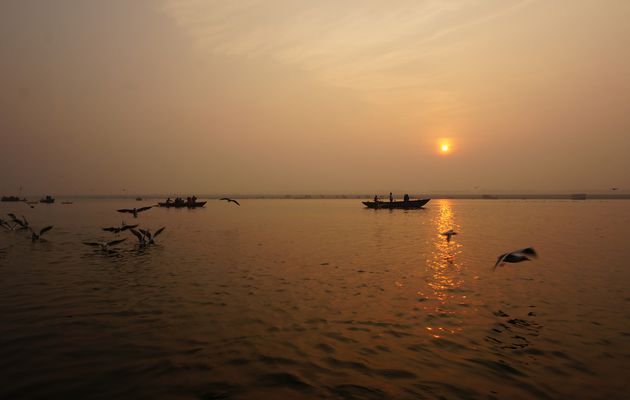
(406, 198)
(391, 197)
(376, 200)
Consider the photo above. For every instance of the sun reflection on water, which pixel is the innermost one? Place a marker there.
(444, 279)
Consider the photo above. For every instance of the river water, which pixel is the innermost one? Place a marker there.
(314, 299)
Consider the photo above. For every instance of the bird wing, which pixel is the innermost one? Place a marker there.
(144, 208)
(44, 230)
(237, 203)
(145, 232)
(137, 234)
(499, 260)
(125, 210)
(91, 243)
(224, 198)
(110, 229)
(125, 227)
(528, 250)
(158, 231)
(115, 242)
(13, 217)
(25, 221)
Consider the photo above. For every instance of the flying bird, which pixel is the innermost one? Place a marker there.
(37, 236)
(22, 223)
(450, 233)
(614, 188)
(105, 246)
(516, 256)
(145, 237)
(5, 224)
(134, 211)
(118, 229)
(230, 200)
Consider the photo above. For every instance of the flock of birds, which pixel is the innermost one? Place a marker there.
(515, 256)
(145, 236)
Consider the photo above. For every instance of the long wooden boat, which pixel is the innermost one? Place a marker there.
(12, 198)
(47, 200)
(396, 204)
(172, 204)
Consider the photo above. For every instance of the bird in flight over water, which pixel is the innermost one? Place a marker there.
(230, 200)
(118, 229)
(37, 236)
(21, 223)
(516, 256)
(450, 233)
(105, 246)
(134, 211)
(145, 237)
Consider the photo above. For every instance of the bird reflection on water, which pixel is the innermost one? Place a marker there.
(444, 277)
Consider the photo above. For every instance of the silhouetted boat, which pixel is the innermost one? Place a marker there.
(396, 204)
(578, 196)
(12, 198)
(184, 204)
(47, 200)
(138, 198)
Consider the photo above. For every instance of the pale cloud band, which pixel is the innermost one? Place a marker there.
(364, 45)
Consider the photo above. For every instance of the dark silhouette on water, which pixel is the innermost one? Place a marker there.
(47, 200)
(450, 233)
(145, 237)
(21, 223)
(105, 246)
(516, 256)
(37, 236)
(134, 211)
(230, 200)
(118, 229)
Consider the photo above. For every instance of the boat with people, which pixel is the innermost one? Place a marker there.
(12, 198)
(190, 202)
(47, 200)
(409, 204)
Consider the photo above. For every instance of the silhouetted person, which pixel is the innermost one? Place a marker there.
(376, 198)
(194, 200)
(391, 198)
(168, 201)
(406, 198)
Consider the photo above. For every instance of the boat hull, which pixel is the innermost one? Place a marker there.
(411, 204)
(197, 204)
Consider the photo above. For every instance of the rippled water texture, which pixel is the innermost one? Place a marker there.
(319, 299)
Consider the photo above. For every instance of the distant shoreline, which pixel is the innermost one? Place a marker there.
(436, 196)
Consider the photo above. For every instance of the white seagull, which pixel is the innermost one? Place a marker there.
(516, 256)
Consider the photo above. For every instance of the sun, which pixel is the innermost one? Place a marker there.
(444, 148)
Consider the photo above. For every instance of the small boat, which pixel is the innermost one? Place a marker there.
(47, 200)
(138, 198)
(12, 198)
(173, 204)
(396, 204)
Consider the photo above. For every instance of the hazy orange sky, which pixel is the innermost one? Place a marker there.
(301, 96)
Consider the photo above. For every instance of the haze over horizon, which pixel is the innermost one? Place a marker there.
(273, 97)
